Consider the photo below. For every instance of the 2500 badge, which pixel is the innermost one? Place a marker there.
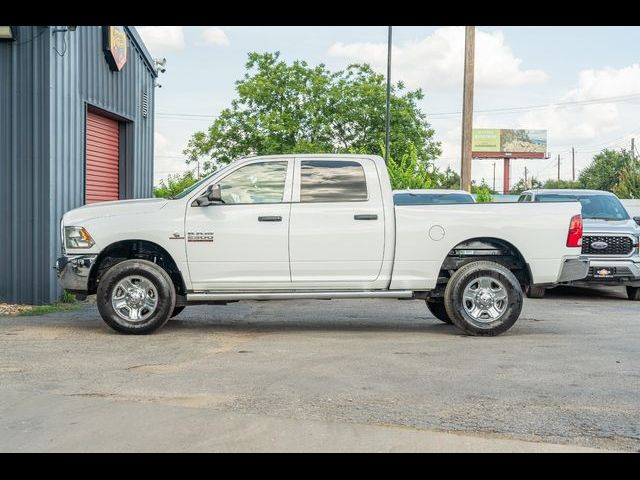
(199, 236)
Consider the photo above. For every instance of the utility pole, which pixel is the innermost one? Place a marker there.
(633, 148)
(388, 118)
(467, 107)
(526, 180)
(494, 176)
(558, 167)
(573, 164)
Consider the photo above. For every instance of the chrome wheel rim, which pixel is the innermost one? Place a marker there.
(485, 299)
(134, 298)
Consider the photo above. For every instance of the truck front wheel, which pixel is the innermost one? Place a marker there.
(633, 293)
(135, 297)
(483, 298)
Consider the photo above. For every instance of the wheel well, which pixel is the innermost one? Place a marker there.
(130, 249)
(490, 249)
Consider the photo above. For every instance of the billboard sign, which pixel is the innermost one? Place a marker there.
(504, 143)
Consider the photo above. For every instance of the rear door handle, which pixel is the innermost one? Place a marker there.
(365, 217)
(270, 218)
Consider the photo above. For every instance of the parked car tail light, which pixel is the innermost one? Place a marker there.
(574, 238)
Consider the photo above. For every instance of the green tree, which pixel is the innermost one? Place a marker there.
(296, 108)
(407, 172)
(174, 184)
(448, 179)
(520, 186)
(564, 184)
(629, 184)
(603, 173)
(483, 192)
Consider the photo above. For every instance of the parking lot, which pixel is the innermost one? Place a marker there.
(379, 375)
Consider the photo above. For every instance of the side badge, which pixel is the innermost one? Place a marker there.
(199, 236)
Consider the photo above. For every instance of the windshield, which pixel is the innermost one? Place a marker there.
(595, 207)
(431, 198)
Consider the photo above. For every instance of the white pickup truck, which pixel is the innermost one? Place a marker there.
(314, 227)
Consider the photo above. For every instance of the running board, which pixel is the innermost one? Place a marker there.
(231, 296)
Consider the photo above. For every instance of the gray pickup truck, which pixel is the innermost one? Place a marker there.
(610, 239)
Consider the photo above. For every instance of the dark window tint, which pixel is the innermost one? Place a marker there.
(595, 207)
(332, 181)
(431, 198)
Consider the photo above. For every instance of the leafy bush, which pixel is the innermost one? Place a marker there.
(410, 173)
(483, 192)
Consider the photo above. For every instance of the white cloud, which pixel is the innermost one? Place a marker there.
(607, 82)
(584, 123)
(162, 38)
(214, 36)
(437, 61)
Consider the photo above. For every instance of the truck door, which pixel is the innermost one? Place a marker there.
(337, 224)
(243, 243)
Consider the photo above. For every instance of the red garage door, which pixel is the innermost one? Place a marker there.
(103, 162)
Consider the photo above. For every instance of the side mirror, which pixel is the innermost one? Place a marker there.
(212, 196)
(637, 220)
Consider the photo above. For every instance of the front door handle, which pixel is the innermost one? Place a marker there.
(365, 217)
(270, 218)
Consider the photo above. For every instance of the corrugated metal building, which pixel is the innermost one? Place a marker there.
(76, 126)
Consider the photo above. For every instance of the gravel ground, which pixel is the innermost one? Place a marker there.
(326, 375)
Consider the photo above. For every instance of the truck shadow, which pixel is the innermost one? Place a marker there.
(601, 292)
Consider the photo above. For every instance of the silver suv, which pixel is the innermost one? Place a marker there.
(609, 241)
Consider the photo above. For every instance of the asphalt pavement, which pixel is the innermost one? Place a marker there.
(348, 375)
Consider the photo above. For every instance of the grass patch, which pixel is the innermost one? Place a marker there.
(45, 309)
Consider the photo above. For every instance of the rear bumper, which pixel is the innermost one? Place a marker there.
(73, 272)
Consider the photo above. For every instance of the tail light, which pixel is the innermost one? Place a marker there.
(574, 238)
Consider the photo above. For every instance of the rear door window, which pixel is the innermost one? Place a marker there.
(332, 181)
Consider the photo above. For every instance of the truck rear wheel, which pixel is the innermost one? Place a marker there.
(483, 298)
(135, 297)
(438, 310)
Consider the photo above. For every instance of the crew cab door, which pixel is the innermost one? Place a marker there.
(336, 237)
(243, 243)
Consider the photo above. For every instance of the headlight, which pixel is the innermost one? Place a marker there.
(77, 237)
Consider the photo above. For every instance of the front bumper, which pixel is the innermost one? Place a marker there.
(622, 271)
(573, 269)
(73, 272)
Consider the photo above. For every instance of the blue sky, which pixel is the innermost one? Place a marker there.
(515, 67)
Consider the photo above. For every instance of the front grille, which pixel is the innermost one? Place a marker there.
(615, 245)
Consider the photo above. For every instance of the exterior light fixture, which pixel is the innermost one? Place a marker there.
(7, 33)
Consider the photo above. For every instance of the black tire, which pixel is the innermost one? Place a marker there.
(466, 277)
(177, 311)
(165, 303)
(438, 310)
(534, 291)
(633, 293)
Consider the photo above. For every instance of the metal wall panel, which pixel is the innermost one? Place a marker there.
(24, 168)
(46, 86)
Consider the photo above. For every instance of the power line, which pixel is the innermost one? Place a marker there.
(615, 99)
(593, 101)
